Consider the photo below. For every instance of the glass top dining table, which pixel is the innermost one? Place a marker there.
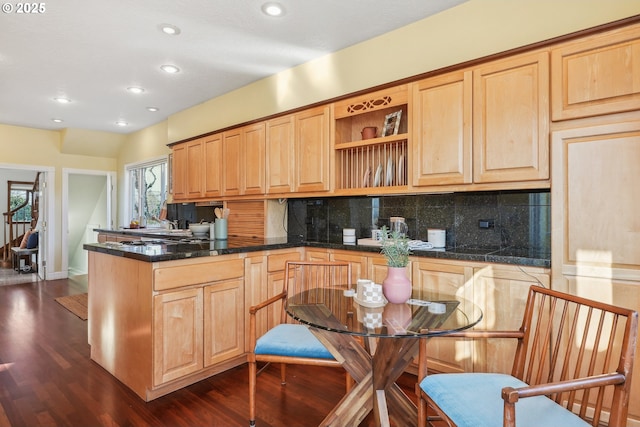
(427, 313)
(375, 343)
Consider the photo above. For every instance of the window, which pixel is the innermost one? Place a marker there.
(147, 191)
(21, 197)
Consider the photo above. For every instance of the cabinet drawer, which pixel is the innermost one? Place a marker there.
(185, 275)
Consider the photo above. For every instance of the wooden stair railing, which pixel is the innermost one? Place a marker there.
(15, 230)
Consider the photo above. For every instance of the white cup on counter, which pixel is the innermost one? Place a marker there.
(437, 237)
(349, 236)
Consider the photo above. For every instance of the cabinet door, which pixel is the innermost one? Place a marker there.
(212, 148)
(596, 201)
(232, 162)
(275, 281)
(312, 149)
(253, 159)
(442, 130)
(179, 171)
(501, 293)
(359, 265)
(223, 321)
(195, 162)
(177, 334)
(316, 255)
(622, 293)
(596, 75)
(280, 155)
(275, 284)
(445, 354)
(511, 119)
(255, 291)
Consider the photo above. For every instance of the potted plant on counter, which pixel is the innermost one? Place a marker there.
(395, 247)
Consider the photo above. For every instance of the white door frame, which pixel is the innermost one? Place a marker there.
(46, 252)
(111, 184)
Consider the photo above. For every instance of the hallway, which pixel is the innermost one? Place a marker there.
(8, 276)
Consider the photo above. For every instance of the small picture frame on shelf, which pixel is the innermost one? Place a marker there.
(391, 123)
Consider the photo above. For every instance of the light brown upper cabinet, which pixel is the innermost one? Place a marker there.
(596, 200)
(231, 162)
(280, 154)
(596, 75)
(195, 169)
(441, 142)
(253, 175)
(179, 171)
(212, 158)
(312, 149)
(243, 166)
(511, 119)
(372, 161)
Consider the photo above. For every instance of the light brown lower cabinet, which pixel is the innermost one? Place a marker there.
(159, 327)
(177, 333)
(500, 290)
(198, 324)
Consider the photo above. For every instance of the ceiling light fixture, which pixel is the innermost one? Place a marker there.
(273, 9)
(62, 100)
(135, 89)
(57, 120)
(168, 68)
(121, 123)
(153, 109)
(172, 30)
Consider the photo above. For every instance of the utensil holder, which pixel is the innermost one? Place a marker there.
(221, 229)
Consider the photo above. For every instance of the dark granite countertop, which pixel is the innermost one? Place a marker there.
(165, 247)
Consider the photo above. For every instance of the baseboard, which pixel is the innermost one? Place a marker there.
(56, 275)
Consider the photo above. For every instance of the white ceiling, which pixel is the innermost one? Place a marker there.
(91, 51)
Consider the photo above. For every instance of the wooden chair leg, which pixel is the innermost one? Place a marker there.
(283, 373)
(252, 392)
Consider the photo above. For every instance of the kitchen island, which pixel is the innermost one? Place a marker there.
(165, 312)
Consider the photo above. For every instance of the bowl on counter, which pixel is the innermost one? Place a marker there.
(199, 229)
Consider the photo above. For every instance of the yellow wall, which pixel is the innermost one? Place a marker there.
(471, 30)
(33, 148)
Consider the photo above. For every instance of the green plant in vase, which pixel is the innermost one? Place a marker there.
(395, 248)
(396, 286)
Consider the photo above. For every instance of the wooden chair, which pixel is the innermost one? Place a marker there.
(572, 367)
(290, 342)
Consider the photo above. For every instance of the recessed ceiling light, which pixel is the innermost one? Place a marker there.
(172, 30)
(62, 100)
(171, 69)
(153, 109)
(57, 120)
(121, 123)
(273, 9)
(135, 89)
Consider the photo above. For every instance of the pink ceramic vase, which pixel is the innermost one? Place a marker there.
(396, 287)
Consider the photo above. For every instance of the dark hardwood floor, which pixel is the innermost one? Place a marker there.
(47, 378)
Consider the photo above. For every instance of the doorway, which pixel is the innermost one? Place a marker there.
(46, 256)
(87, 204)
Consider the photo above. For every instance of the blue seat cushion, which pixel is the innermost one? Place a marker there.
(32, 241)
(291, 340)
(475, 400)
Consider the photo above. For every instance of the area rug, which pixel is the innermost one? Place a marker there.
(77, 304)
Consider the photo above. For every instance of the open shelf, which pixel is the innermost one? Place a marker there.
(373, 165)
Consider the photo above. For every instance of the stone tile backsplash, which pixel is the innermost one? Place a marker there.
(522, 219)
